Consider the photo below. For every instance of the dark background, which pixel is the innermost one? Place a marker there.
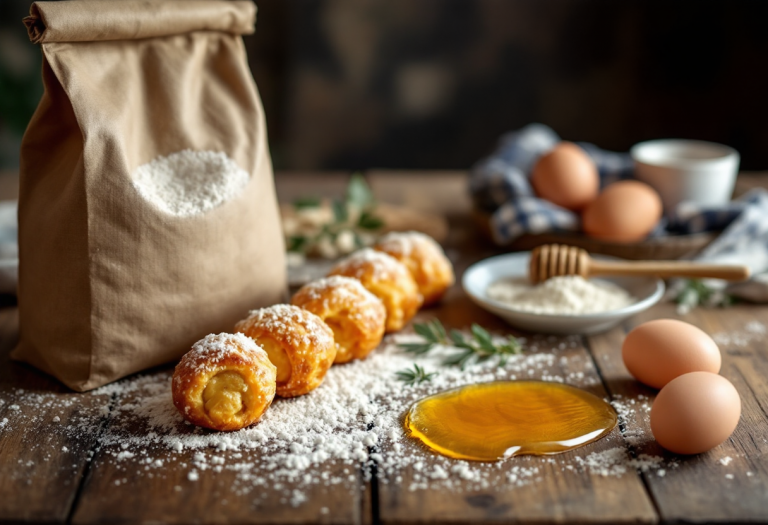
(351, 84)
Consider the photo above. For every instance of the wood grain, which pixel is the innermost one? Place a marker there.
(708, 487)
(43, 457)
(556, 494)
(155, 484)
(41, 482)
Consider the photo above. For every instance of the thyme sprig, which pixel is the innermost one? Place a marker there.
(354, 216)
(696, 292)
(478, 348)
(415, 375)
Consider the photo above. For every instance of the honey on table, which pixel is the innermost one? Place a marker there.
(492, 421)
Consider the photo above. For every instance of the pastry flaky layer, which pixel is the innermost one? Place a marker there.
(225, 382)
(386, 278)
(424, 258)
(298, 343)
(356, 316)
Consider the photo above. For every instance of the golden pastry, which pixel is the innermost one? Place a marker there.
(225, 382)
(387, 279)
(298, 343)
(356, 316)
(424, 258)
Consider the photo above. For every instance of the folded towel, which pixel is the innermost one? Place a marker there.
(500, 186)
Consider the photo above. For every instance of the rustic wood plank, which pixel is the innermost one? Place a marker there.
(131, 483)
(524, 489)
(691, 492)
(440, 192)
(709, 487)
(43, 454)
(560, 494)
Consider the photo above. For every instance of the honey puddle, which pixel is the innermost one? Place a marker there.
(491, 421)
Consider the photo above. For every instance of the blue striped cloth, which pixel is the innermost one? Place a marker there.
(500, 186)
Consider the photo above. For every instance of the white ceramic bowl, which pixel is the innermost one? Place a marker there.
(694, 171)
(477, 278)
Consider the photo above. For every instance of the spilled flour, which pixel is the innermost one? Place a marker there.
(188, 182)
(752, 332)
(333, 436)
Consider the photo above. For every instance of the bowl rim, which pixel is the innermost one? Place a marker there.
(631, 309)
(640, 153)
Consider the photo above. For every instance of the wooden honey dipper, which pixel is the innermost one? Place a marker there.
(552, 260)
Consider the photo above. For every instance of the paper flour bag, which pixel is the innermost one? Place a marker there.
(147, 211)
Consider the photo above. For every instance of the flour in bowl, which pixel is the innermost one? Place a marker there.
(190, 182)
(566, 295)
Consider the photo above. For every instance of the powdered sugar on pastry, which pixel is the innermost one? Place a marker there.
(213, 349)
(345, 288)
(380, 265)
(404, 243)
(282, 319)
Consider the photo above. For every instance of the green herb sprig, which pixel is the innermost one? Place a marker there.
(695, 292)
(354, 214)
(478, 348)
(415, 375)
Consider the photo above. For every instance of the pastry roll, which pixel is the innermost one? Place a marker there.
(225, 382)
(356, 316)
(387, 279)
(298, 343)
(424, 258)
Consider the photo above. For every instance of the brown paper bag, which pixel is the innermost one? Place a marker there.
(111, 283)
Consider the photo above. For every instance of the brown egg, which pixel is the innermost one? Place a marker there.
(566, 176)
(695, 412)
(626, 211)
(658, 351)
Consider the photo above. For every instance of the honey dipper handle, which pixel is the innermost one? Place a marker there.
(670, 269)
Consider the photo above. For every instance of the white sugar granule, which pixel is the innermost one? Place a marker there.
(564, 295)
(614, 462)
(752, 332)
(188, 182)
(331, 437)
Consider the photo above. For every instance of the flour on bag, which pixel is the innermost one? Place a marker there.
(188, 182)
(564, 295)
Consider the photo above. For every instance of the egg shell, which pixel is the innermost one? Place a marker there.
(658, 351)
(566, 176)
(695, 412)
(625, 212)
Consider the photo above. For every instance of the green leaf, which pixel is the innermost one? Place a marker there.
(358, 192)
(415, 375)
(425, 331)
(416, 348)
(458, 338)
(340, 212)
(481, 346)
(459, 358)
(439, 330)
(297, 243)
(368, 221)
(306, 202)
(483, 338)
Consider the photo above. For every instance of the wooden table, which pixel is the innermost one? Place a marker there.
(81, 482)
